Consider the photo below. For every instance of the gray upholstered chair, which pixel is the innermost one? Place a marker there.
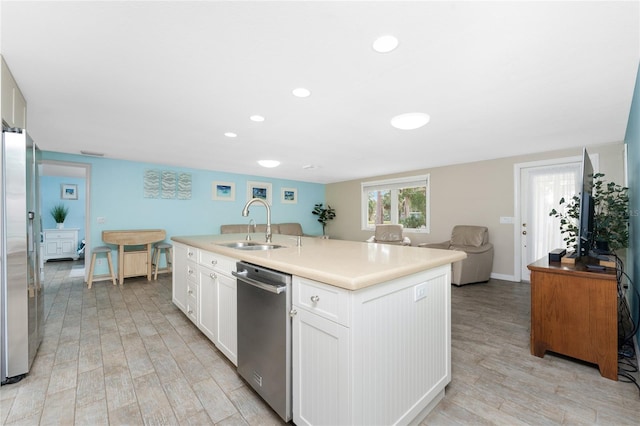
(473, 240)
(389, 234)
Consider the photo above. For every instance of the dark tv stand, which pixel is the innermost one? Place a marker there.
(574, 312)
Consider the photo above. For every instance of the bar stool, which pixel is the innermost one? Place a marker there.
(96, 250)
(155, 260)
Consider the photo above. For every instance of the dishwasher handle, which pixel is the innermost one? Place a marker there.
(242, 275)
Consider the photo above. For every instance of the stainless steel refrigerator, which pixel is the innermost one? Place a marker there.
(22, 276)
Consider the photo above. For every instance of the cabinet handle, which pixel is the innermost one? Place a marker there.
(212, 275)
(293, 313)
(214, 262)
(315, 299)
(189, 253)
(190, 291)
(190, 311)
(190, 271)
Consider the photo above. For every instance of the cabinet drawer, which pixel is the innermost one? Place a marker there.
(324, 300)
(51, 235)
(191, 253)
(217, 262)
(191, 272)
(192, 301)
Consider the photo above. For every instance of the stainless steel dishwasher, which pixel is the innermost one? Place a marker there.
(264, 334)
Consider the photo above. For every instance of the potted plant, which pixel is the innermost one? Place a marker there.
(611, 215)
(59, 213)
(324, 215)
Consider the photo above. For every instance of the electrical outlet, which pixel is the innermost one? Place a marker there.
(506, 219)
(420, 292)
(101, 219)
(99, 261)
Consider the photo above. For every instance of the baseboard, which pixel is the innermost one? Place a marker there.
(503, 277)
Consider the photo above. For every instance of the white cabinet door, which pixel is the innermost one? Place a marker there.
(227, 321)
(207, 301)
(321, 376)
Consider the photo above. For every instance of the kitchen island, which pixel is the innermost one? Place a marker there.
(371, 322)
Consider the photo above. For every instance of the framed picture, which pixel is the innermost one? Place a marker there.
(223, 191)
(289, 196)
(259, 190)
(69, 191)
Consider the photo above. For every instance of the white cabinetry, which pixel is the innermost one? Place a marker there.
(205, 290)
(185, 281)
(380, 355)
(60, 244)
(320, 354)
(218, 302)
(14, 106)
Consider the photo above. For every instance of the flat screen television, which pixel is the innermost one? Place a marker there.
(586, 240)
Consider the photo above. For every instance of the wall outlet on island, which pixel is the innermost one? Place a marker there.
(420, 292)
(507, 219)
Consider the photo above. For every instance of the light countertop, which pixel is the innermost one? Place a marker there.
(350, 265)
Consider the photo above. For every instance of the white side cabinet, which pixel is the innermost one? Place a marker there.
(205, 290)
(380, 355)
(218, 302)
(320, 354)
(60, 243)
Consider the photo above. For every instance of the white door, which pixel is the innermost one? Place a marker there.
(541, 188)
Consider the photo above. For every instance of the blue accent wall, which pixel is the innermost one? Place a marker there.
(632, 139)
(50, 194)
(117, 195)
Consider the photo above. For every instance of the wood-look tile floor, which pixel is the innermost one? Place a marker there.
(127, 356)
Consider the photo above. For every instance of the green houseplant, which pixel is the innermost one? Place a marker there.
(324, 215)
(59, 213)
(611, 215)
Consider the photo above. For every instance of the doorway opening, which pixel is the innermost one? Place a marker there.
(65, 184)
(539, 186)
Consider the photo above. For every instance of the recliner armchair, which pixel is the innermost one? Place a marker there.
(473, 240)
(389, 234)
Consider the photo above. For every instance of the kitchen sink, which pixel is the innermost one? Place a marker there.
(249, 245)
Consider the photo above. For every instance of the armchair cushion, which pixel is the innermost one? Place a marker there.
(389, 234)
(465, 235)
(473, 240)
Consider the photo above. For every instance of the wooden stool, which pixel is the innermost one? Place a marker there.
(157, 251)
(96, 250)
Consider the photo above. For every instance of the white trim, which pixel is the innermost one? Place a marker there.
(503, 277)
(395, 183)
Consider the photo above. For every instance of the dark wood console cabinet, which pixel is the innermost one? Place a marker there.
(574, 312)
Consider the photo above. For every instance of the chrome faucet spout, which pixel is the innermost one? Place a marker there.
(251, 222)
(245, 213)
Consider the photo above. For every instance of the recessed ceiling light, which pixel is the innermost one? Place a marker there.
(301, 92)
(385, 44)
(269, 163)
(257, 118)
(410, 121)
(230, 135)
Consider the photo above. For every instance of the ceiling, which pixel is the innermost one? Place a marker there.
(161, 82)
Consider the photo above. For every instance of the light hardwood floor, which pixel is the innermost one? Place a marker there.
(126, 355)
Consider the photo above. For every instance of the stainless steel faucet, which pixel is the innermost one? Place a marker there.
(251, 222)
(245, 213)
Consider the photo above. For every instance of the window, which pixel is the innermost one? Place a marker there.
(402, 201)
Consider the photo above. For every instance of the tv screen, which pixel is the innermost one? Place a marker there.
(587, 208)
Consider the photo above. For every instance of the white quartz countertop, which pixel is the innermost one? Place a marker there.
(350, 265)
